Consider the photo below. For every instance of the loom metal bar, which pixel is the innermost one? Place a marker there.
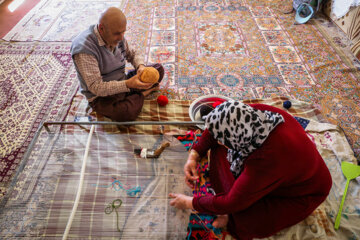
(47, 128)
(46, 124)
(127, 123)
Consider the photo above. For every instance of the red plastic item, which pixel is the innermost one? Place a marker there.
(216, 103)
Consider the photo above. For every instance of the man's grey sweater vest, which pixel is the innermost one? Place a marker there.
(111, 64)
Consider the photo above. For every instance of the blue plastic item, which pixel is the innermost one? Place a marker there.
(303, 13)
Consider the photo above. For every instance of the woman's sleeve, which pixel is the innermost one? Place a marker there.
(205, 142)
(256, 181)
(262, 174)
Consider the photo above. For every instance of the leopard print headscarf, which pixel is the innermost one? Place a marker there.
(241, 128)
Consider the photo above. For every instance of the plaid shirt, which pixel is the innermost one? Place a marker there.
(90, 72)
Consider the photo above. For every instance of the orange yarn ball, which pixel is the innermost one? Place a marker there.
(162, 100)
(150, 75)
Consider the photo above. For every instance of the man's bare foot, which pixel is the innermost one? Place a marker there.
(150, 90)
(221, 221)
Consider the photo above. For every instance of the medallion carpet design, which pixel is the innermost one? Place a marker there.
(37, 84)
(250, 50)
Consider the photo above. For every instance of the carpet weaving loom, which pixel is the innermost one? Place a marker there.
(44, 193)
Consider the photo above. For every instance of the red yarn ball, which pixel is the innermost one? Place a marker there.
(162, 100)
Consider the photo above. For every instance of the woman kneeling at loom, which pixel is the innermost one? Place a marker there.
(266, 173)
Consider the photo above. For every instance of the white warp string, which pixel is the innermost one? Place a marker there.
(81, 181)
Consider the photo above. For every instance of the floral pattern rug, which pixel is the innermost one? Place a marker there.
(53, 20)
(37, 84)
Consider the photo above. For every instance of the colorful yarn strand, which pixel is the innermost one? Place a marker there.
(113, 207)
(130, 191)
(202, 222)
(117, 186)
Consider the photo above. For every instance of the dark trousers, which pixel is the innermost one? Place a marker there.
(123, 106)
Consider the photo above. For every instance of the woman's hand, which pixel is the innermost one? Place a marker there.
(181, 201)
(221, 221)
(191, 174)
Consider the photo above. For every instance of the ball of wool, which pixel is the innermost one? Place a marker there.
(149, 75)
(287, 104)
(162, 100)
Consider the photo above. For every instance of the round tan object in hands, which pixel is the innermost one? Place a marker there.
(149, 75)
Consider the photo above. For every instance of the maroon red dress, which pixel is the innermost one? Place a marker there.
(282, 182)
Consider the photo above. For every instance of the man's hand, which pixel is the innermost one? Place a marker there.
(191, 174)
(134, 82)
(140, 69)
(181, 201)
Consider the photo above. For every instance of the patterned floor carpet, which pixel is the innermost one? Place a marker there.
(37, 84)
(239, 48)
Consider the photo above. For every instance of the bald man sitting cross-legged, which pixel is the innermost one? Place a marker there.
(100, 54)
